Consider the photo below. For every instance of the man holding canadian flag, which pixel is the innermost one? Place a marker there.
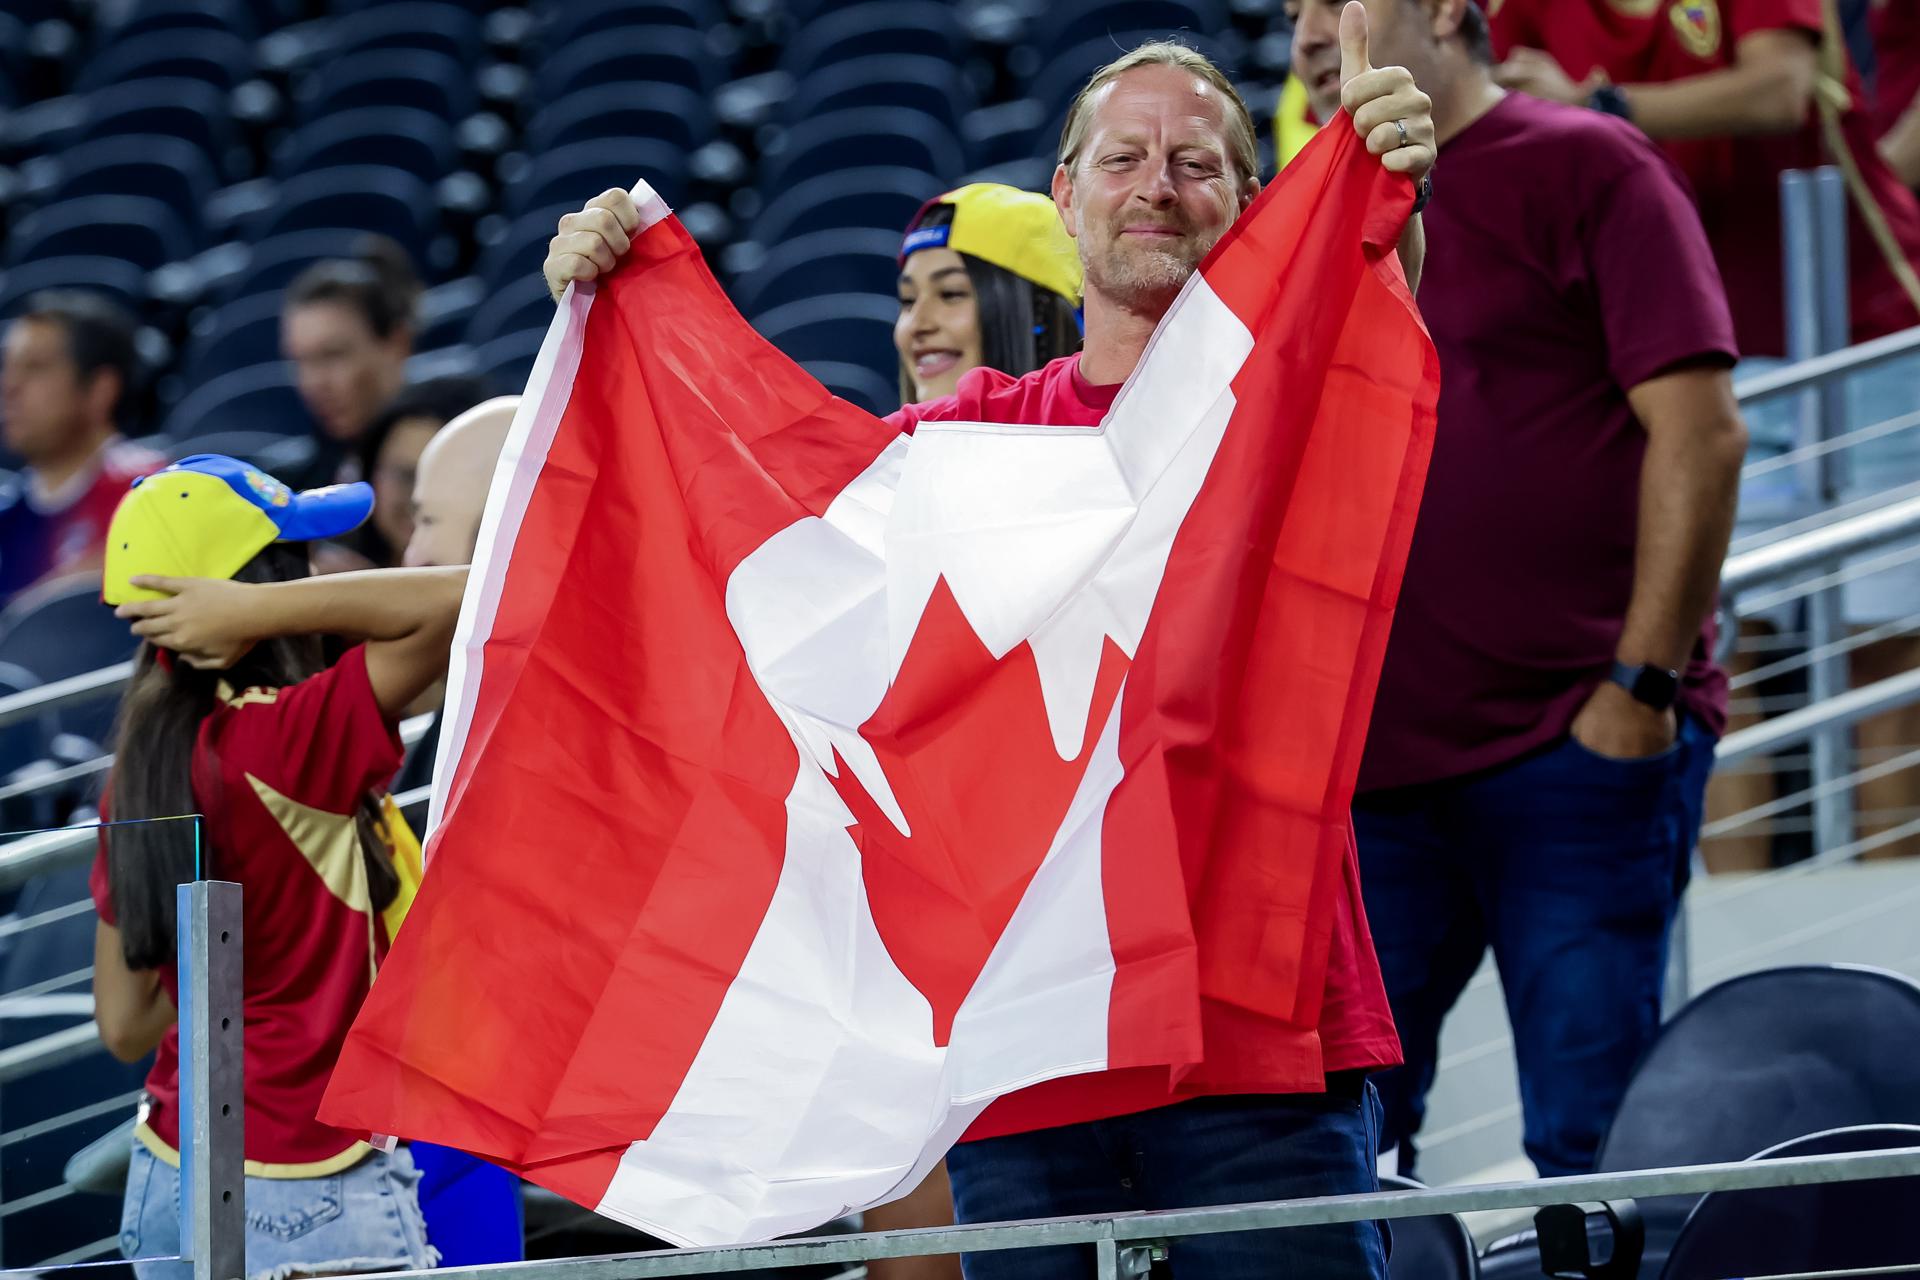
(818, 792)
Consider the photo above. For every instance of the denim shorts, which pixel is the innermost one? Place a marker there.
(364, 1218)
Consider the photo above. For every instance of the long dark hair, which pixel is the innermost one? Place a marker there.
(154, 744)
(1022, 325)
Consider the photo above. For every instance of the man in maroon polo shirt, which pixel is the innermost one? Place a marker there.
(1547, 714)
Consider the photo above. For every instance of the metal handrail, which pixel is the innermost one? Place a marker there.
(1112, 1233)
(61, 693)
(1782, 560)
(1819, 370)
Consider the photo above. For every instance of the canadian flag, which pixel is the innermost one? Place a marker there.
(807, 786)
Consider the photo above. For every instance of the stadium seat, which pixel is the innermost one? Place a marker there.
(508, 360)
(575, 173)
(150, 17)
(643, 55)
(856, 384)
(23, 741)
(134, 229)
(271, 451)
(881, 27)
(1065, 73)
(446, 310)
(523, 247)
(821, 262)
(425, 81)
(665, 113)
(931, 86)
(413, 25)
(1830, 1227)
(241, 333)
(218, 58)
(1064, 22)
(361, 197)
(845, 139)
(1009, 132)
(516, 306)
(1432, 1248)
(581, 18)
(190, 111)
(1755, 1061)
(886, 198)
(60, 629)
(123, 280)
(273, 262)
(842, 328)
(404, 138)
(260, 397)
(172, 171)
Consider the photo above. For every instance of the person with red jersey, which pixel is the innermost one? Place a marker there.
(69, 359)
(1895, 25)
(1157, 160)
(235, 712)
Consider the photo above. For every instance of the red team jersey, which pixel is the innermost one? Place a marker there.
(1736, 181)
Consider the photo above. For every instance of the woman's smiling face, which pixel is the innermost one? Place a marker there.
(938, 332)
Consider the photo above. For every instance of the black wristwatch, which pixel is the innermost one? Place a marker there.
(1611, 99)
(1657, 687)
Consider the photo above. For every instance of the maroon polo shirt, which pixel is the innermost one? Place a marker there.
(1565, 265)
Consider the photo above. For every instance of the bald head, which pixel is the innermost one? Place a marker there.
(450, 487)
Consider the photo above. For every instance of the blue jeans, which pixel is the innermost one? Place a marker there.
(1570, 865)
(1227, 1150)
(366, 1218)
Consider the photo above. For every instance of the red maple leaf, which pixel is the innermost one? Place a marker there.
(965, 744)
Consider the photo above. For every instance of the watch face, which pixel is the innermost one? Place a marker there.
(1656, 687)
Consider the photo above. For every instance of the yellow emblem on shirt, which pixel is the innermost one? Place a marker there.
(1697, 23)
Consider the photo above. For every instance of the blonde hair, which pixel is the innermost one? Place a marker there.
(1241, 147)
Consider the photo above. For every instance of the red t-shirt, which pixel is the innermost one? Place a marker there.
(1735, 180)
(1896, 48)
(1245, 1053)
(1564, 267)
(280, 774)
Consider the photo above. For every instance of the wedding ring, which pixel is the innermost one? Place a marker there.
(1401, 125)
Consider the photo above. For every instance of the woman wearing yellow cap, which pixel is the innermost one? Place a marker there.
(237, 713)
(988, 276)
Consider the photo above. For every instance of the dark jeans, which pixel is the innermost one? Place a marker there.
(1570, 865)
(1209, 1151)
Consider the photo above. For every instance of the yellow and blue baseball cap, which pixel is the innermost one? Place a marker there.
(1015, 230)
(207, 515)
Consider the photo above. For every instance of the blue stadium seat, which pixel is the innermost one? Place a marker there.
(857, 384)
(1832, 1227)
(134, 229)
(272, 452)
(516, 306)
(1066, 73)
(575, 173)
(174, 172)
(445, 311)
(150, 17)
(403, 138)
(577, 18)
(931, 86)
(521, 250)
(23, 741)
(820, 263)
(60, 629)
(242, 333)
(1008, 132)
(843, 328)
(218, 58)
(273, 262)
(1063, 23)
(654, 112)
(412, 25)
(508, 360)
(430, 82)
(883, 197)
(643, 55)
(190, 110)
(844, 140)
(122, 280)
(258, 398)
(881, 27)
(1432, 1248)
(362, 197)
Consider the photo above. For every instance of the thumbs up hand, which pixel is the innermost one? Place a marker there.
(1388, 109)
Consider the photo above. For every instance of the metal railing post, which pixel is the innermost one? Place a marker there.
(1814, 243)
(213, 1213)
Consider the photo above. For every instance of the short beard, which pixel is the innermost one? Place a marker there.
(1146, 280)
